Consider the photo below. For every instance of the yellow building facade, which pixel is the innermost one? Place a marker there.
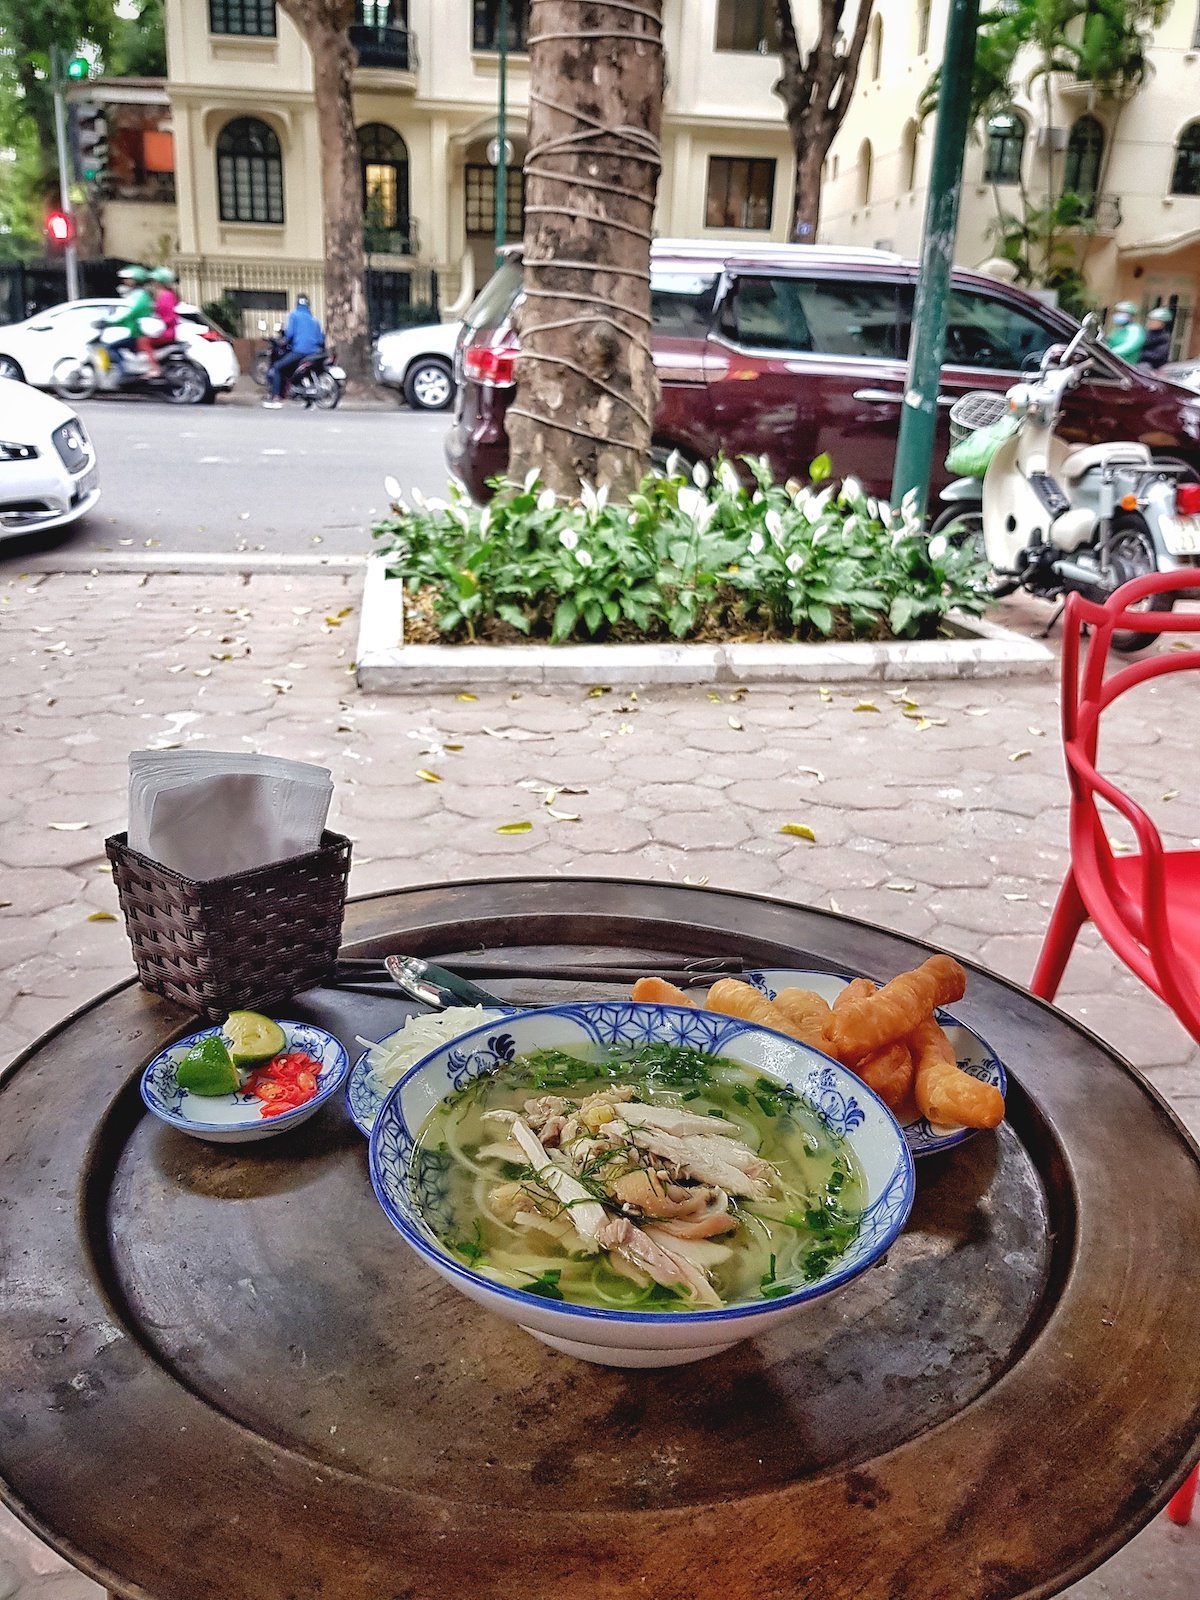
(247, 149)
(1138, 159)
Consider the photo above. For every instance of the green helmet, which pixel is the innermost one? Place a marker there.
(163, 275)
(1129, 307)
(134, 273)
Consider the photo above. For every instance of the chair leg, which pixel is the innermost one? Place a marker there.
(1179, 1508)
(1068, 916)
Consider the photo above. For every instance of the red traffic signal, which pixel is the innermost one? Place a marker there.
(60, 227)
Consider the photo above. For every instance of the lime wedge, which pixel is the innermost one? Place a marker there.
(208, 1069)
(253, 1037)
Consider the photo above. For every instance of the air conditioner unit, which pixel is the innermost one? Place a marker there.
(1053, 138)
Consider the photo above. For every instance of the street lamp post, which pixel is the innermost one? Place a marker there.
(502, 138)
(918, 414)
(70, 254)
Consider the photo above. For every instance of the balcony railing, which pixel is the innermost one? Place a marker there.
(1097, 213)
(379, 46)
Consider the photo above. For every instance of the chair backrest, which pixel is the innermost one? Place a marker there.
(1138, 931)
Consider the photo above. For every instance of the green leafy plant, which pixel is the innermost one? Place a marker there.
(226, 314)
(707, 557)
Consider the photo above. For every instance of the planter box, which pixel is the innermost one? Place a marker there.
(386, 665)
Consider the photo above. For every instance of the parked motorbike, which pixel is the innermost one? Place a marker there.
(317, 381)
(1050, 517)
(179, 380)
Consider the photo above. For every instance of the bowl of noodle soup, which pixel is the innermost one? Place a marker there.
(639, 1185)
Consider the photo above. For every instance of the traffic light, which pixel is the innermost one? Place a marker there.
(89, 136)
(60, 228)
(79, 67)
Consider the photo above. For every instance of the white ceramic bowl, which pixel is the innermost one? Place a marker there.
(629, 1338)
(237, 1118)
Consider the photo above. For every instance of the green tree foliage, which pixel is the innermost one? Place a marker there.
(139, 45)
(28, 31)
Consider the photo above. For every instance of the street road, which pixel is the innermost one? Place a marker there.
(229, 478)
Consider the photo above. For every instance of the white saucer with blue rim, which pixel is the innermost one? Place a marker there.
(237, 1118)
(363, 1093)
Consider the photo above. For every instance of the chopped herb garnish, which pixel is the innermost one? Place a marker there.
(769, 1287)
(471, 1250)
(546, 1284)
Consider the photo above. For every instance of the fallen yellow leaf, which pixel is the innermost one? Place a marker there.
(515, 827)
(1019, 755)
(866, 705)
(429, 777)
(466, 696)
(597, 690)
(799, 830)
(563, 816)
(101, 916)
(735, 724)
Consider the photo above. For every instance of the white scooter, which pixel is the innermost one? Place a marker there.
(1053, 517)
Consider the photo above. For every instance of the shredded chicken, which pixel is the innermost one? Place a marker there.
(587, 1215)
(663, 1265)
(679, 1122)
(723, 1162)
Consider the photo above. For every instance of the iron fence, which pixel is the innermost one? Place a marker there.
(262, 291)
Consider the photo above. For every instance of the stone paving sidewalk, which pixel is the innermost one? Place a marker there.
(942, 814)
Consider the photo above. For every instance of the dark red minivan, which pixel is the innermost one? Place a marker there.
(793, 350)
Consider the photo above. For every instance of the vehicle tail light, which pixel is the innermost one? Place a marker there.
(1187, 499)
(495, 366)
(211, 336)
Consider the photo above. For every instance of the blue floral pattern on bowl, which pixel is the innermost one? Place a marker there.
(848, 1106)
(237, 1118)
(363, 1098)
(975, 1056)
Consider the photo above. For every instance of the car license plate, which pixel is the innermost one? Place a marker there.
(1181, 535)
(85, 485)
(339, 373)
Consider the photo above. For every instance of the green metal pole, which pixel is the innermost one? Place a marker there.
(502, 139)
(918, 415)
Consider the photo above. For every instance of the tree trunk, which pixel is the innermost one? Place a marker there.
(325, 25)
(586, 390)
(816, 90)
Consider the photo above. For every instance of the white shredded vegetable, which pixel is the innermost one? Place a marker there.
(391, 1058)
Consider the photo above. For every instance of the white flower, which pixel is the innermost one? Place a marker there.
(852, 523)
(584, 557)
(794, 488)
(485, 520)
(851, 489)
(909, 503)
(531, 477)
(728, 478)
(872, 506)
(434, 504)
(674, 464)
(757, 543)
(700, 475)
(568, 538)
(593, 502)
(392, 486)
(691, 503)
(938, 546)
(884, 511)
(774, 524)
(757, 498)
(546, 500)
(418, 499)
(819, 501)
(795, 561)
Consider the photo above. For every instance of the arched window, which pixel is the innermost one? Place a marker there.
(908, 156)
(383, 161)
(1085, 151)
(1005, 147)
(249, 172)
(876, 45)
(1185, 179)
(866, 161)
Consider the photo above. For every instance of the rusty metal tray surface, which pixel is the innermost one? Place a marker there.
(221, 1372)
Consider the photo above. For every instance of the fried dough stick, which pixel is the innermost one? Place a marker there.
(658, 992)
(945, 1094)
(860, 1027)
(734, 999)
(807, 1013)
(890, 1073)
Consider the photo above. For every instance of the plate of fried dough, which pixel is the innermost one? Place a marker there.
(941, 1081)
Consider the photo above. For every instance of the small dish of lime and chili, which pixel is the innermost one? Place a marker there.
(250, 1078)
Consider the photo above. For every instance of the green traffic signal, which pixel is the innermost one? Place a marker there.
(78, 67)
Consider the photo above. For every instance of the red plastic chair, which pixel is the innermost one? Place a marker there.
(1146, 906)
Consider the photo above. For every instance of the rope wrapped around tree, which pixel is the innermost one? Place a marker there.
(586, 391)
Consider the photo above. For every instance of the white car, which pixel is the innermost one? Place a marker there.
(29, 350)
(419, 361)
(48, 471)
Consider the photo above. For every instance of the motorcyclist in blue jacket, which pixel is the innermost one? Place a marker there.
(304, 338)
